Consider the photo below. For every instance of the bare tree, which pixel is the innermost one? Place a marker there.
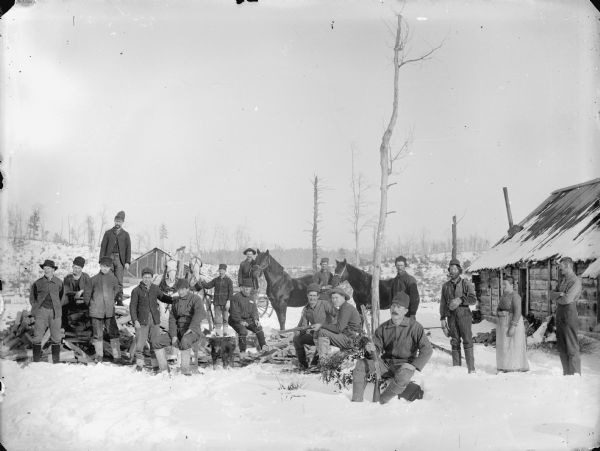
(359, 207)
(91, 233)
(15, 223)
(34, 226)
(198, 233)
(163, 234)
(317, 190)
(103, 223)
(387, 157)
(241, 237)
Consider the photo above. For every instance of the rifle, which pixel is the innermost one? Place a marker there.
(295, 329)
(376, 390)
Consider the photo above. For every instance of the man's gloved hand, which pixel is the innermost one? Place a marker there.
(445, 327)
(454, 303)
(137, 324)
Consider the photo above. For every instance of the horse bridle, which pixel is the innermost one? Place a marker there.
(339, 276)
(262, 268)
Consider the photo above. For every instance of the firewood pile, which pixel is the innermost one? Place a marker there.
(17, 338)
(487, 338)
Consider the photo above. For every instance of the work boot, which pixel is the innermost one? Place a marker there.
(260, 335)
(323, 346)
(456, 357)
(55, 353)
(37, 352)
(185, 362)
(154, 364)
(139, 363)
(315, 359)
(115, 346)
(392, 391)
(470, 359)
(359, 382)
(242, 343)
(99, 348)
(161, 359)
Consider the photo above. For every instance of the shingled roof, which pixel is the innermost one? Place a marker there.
(566, 224)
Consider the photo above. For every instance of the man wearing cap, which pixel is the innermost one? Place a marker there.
(145, 314)
(187, 314)
(74, 285)
(404, 282)
(116, 244)
(403, 346)
(317, 311)
(99, 295)
(323, 277)
(46, 297)
(221, 299)
(344, 331)
(455, 315)
(243, 316)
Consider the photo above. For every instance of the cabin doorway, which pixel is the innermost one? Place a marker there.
(523, 290)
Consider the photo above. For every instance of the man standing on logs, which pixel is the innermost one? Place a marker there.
(221, 299)
(455, 315)
(243, 316)
(116, 244)
(187, 314)
(404, 348)
(245, 270)
(99, 295)
(46, 298)
(344, 331)
(145, 314)
(404, 282)
(74, 284)
(317, 311)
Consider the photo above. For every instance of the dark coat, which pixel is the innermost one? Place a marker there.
(348, 321)
(245, 272)
(100, 295)
(187, 313)
(403, 343)
(223, 289)
(144, 303)
(108, 243)
(243, 308)
(40, 289)
(323, 278)
(69, 282)
(323, 313)
(407, 284)
(463, 290)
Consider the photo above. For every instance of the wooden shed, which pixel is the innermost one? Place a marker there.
(155, 259)
(566, 224)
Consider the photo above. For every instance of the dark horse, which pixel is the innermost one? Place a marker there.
(282, 289)
(360, 281)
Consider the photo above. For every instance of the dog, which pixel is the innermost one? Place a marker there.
(223, 347)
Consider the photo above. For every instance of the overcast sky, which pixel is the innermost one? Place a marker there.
(223, 112)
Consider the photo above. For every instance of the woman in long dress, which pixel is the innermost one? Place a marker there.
(511, 343)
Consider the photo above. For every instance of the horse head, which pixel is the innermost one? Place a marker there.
(341, 273)
(261, 262)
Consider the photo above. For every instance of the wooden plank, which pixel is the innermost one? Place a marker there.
(80, 355)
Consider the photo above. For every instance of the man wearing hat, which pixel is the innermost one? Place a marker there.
(403, 347)
(243, 316)
(317, 311)
(404, 282)
(245, 271)
(74, 286)
(187, 314)
(344, 331)
(323, 277)
(221, 299)
(116, 244)
(46, 298)
(145, 314)
(457, 295)
(99, 295)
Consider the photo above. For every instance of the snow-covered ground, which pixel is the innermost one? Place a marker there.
(74, 407)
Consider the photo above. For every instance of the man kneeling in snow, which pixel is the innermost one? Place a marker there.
(187, 313)
(404, 348)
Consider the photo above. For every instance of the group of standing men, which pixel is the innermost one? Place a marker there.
(399, 345)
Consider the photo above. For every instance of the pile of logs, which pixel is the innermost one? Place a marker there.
(487, 338)
(17, 339)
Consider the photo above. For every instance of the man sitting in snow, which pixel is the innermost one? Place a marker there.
(187, 314)
(403, 346)
(221, 300)
(317, 311)
(344, 331)
(243, 316)
(74, 286)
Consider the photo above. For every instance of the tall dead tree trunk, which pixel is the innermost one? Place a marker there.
(454, 250)
(387, 159)
(316, 220)
(359, 205)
